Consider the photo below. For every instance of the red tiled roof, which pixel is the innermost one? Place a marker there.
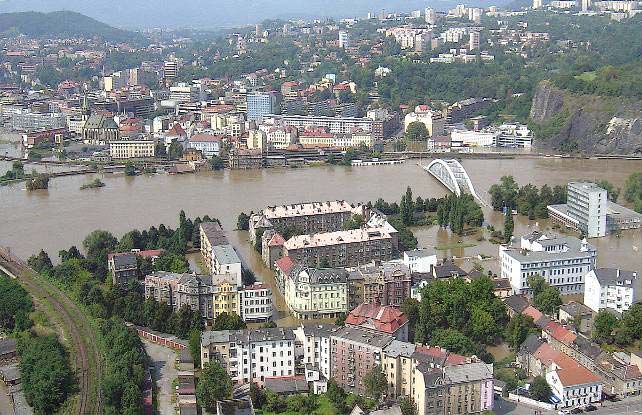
(572, 373)
(285, 264)
(532, 312)
(177, 130)
(276, 240)
(384, 318)
(150, 253)
(560, 333)
(206, 138)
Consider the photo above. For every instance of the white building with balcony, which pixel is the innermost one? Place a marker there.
(255, 302)
(610, 288)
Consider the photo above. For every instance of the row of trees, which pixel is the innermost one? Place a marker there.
(527, 200)
(459, 316)
(38, 182)
(47, 378)
(15, 306)
(623, 332)
(456, 212)
(633, 191)
(124, 363)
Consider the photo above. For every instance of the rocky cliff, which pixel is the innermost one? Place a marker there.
(590, 124)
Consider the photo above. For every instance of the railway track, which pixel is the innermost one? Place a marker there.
(87, 356)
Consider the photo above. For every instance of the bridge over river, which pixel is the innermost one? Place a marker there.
(453, 176)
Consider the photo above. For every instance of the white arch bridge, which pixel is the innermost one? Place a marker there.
(453, 176)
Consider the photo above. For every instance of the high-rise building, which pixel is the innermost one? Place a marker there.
(537, 4)
(170, 71)
(260, 104)
(587, 203)
(473, 41)
(344, 39)
(431, 16)
(586, 5)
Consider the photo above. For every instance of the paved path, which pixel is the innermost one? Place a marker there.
(164, 373)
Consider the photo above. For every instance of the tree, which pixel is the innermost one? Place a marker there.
(257, 394)
(271, 324)
(612, 192)
(483, 326)
(337, 396)
(72, 253)
(46, 375)
(175, 151)
(408, 406)
(130, 169)
(194, 341)
(518, 329)
(548, 301)
(41, 262)
(406, 208)
(604, 325)
(228, 321)
(171, 262)
(509, 226)
(417, 131)
(38, 182)
(539, 389)
(15, 305)
(243, 222)
(98, 243)
(214, 385)
(217, 163)
(375, 383)
(341, 320)
(410, 307)
(537, 284)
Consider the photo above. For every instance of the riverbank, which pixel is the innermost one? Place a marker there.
(139, 202)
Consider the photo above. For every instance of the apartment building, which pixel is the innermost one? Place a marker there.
(316, 350)
(386, 284)
(335, 125)
(312, 293)
(209, 144)
(226, 261)
(178, 290)
(255, 302)
(212, 235)
(610, 288)
(355, 352)
(251, 355)
(562, 261)
(132, 149)
(314, 217)
(225, 295)
(25, 120)
(260, 104)
(469, 388)
(343, 248)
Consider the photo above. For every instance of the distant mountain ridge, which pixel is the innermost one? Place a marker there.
(213, 14)
(61, 23)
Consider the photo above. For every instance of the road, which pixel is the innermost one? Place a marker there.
(631, 406)
(165, 372)
(77, 329)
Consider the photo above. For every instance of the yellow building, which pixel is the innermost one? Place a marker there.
(129, 149)
(225, 295)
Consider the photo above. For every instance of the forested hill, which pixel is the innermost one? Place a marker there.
(61, 24)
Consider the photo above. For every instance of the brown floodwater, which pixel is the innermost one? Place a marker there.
(62, 215)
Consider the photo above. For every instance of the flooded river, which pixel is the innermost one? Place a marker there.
(61, 216)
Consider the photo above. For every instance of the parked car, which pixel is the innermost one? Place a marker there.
(590, 408)
(564, 412)
(576, 411)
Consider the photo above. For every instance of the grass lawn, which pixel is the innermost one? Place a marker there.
(455, 245)
(325, 408)
(586, 76)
